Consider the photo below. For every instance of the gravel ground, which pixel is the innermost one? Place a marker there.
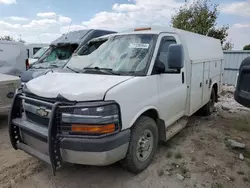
(199, 156)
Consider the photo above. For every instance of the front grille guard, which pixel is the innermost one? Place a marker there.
(55, 158)
(54, 136)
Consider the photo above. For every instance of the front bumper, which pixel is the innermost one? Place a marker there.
(99, 152)
(48, 145)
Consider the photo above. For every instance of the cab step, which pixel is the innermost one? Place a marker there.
(176, 127)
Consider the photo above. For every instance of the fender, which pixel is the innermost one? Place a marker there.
(160, 123)
(141, 112)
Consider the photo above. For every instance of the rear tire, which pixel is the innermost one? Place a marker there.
(208, 109)
(142, 146)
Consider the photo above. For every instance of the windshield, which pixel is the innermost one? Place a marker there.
(39, 53)
(56, 56)
(128, 54)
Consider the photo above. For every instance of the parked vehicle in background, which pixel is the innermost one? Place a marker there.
(139, 88)
(78, 59)
(60, 51)
(37, 55)
(242, 91)
(13, 58)
(8, 86)
(34, 47)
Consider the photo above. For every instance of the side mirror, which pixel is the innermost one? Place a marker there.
(159, 67)
(175, 56)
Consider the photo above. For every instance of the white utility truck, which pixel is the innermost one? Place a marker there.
(8, 86)
(139, 88)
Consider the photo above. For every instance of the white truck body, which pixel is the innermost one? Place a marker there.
(163, 96)
(8, 86)
(13, 57)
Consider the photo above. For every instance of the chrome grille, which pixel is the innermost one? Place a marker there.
(37, 119)
(31, 107)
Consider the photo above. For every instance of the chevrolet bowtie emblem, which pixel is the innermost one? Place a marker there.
(42, 112)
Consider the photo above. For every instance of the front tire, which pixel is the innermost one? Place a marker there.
(142, 146)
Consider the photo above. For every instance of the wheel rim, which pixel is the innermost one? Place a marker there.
(145, 145)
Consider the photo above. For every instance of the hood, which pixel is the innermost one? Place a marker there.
(74, 87)
(34, 73)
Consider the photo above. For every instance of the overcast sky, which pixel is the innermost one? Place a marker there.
(45, 20)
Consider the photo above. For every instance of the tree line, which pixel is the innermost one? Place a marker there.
(9, 38)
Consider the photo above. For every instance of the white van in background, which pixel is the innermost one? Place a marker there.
(34, 47)
(37, 55)
(13, 58)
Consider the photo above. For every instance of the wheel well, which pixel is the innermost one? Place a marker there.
(152, 113)
(215, 88)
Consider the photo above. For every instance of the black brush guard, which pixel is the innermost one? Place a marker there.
(51, 135)
(54, 158)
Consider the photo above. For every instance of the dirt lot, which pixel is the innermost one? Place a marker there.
(199, 156)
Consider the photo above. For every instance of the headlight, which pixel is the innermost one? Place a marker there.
(93, 117)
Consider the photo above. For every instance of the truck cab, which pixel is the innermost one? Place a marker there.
(139, 87)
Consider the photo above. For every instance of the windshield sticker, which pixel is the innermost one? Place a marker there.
(139, 45)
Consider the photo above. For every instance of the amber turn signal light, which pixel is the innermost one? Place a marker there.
(93, 129)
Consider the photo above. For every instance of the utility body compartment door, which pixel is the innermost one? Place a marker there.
(196, 96)
(172, 89)
(206, 82)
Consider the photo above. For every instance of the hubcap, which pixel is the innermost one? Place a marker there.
(145, 145)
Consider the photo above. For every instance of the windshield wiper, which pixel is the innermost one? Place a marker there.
(105, 70)
(39, 67)
(53, 65)
(73, 69)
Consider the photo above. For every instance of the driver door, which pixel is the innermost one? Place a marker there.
(172, 87)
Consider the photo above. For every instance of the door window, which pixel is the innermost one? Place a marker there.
(35, 50)
(163, 52)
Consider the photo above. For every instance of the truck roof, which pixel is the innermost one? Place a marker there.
(199, 47)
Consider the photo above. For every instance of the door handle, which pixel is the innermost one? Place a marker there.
(201, 84)
(182, 77)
